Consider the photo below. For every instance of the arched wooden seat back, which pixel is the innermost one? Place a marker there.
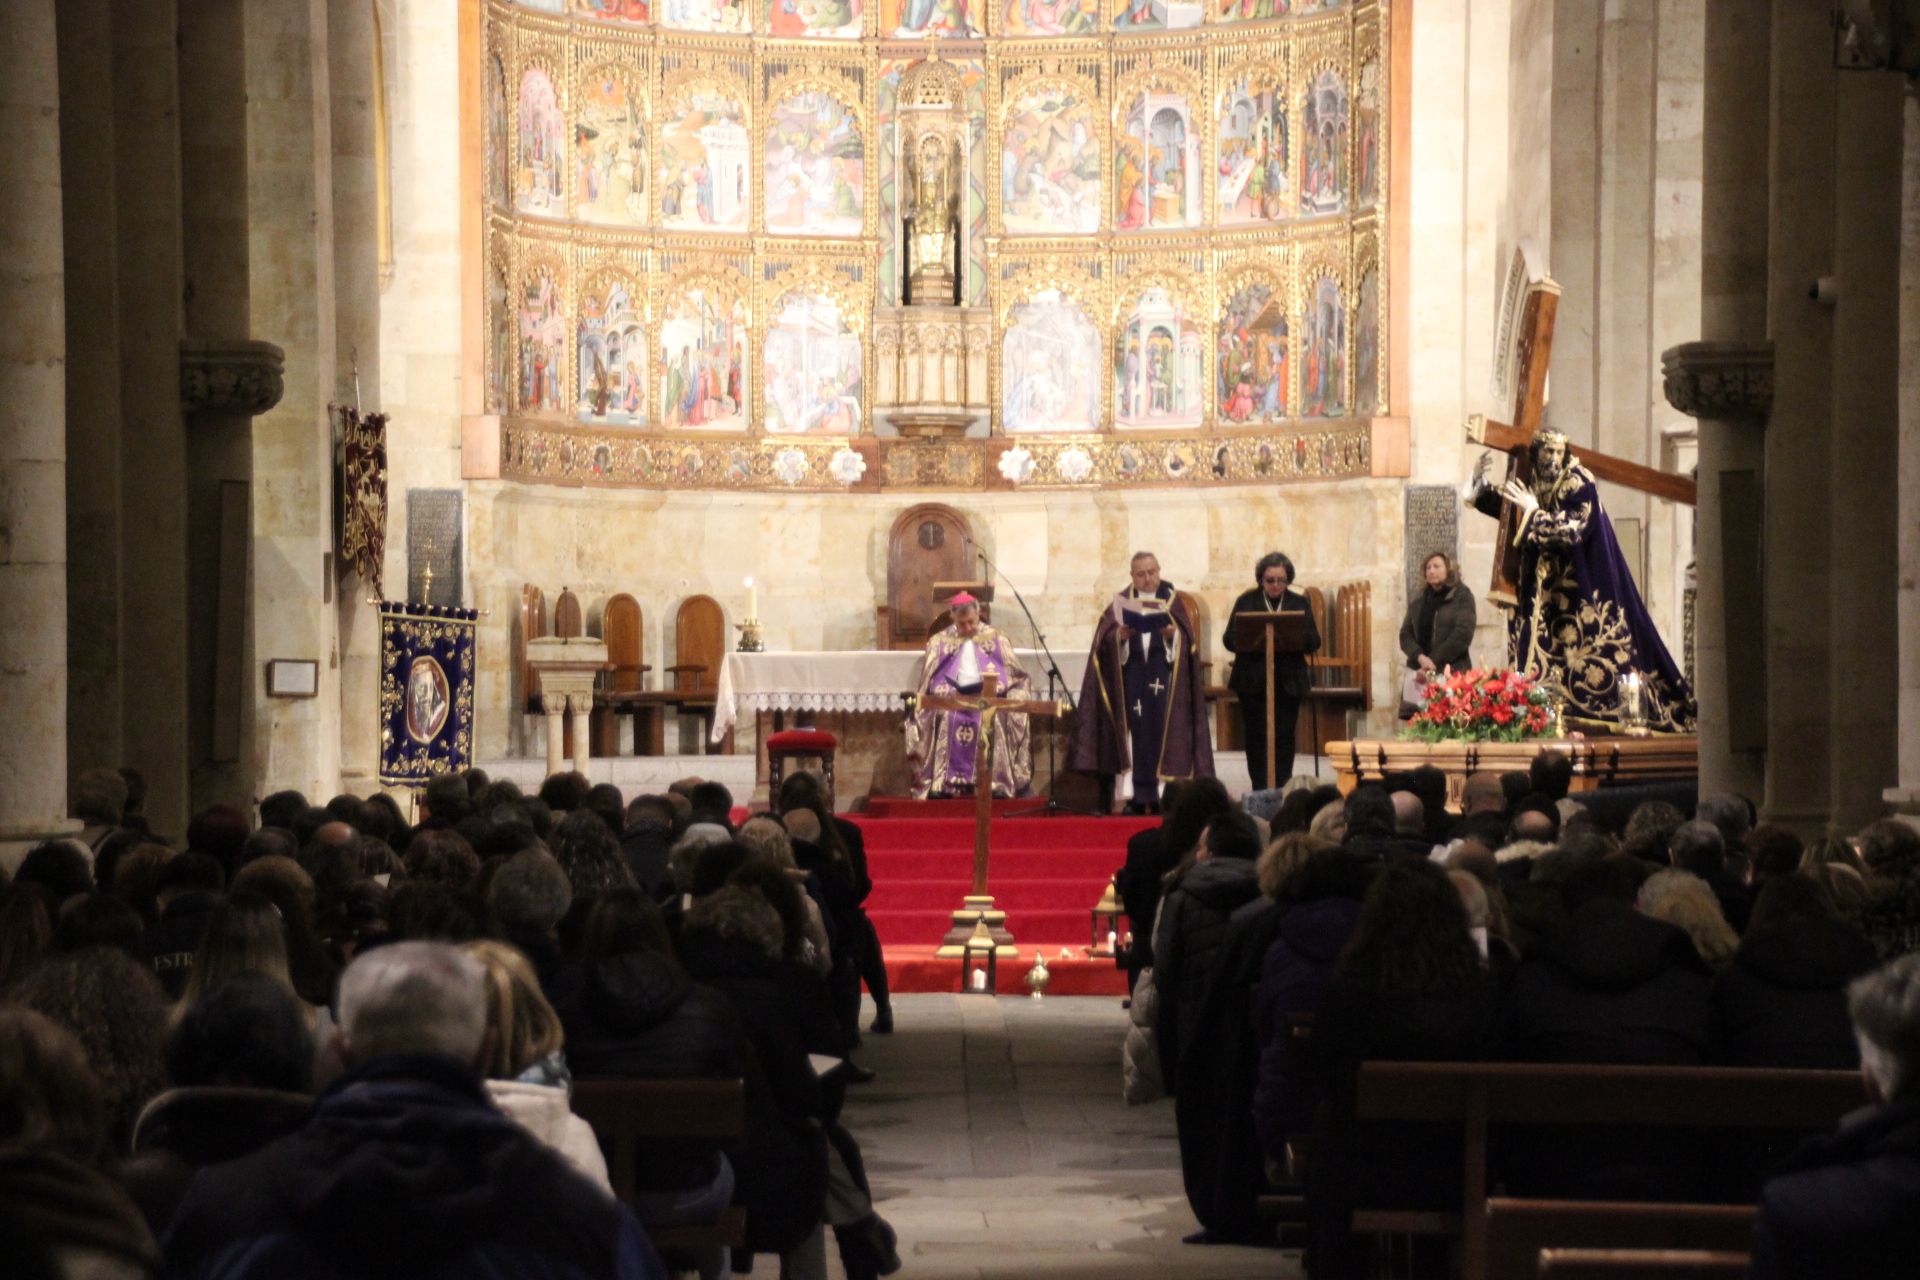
(699, 644)
(929, 543)
(568, 623)
(532, 625)
(620, 629)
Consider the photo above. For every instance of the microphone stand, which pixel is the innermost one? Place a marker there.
(1052, 806)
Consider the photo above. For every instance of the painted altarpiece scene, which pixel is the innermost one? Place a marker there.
(1050, 367)
(1156, 165)
(813, 372)
(815, 19)
(540, 153)
(1159, 370)
(610, 353)
(719, 17)
(543, 341)
(1366, 345)
(1049, 162)
(934, 19)
(1048, 17)
(1251, 354)
(703, 358)
(1323, 351)
(1138, 17)
(634, 12)
(1323, 140)
(500, 170)
(1366, 137)
(609, 150)
(815, 167)
(1254, 181)
(705, 168)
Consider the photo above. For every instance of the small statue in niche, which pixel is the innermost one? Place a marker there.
(932, 218)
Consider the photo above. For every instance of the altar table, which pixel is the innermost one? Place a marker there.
(858, 680)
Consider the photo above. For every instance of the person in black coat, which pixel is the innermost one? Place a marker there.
(1292, 679)
(1411, 987)
(1848, 1205)
(1189, 805)
(1190, 929)
(1612, 986)
(1437, 633)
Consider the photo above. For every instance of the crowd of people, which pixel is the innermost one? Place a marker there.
(333, 1043)
(1289, 945)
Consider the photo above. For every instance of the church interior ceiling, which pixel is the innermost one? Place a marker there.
(1173, 225)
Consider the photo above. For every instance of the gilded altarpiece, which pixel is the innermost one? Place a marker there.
(1176, 218)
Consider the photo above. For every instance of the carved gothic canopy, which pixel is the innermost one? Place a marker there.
(230, 377)
(1720, 380)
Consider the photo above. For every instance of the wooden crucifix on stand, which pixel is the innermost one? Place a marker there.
(977, 907)
(1532, 350)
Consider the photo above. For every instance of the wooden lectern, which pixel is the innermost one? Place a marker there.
(1270, 633)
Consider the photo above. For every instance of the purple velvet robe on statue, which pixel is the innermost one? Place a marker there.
(946, 741)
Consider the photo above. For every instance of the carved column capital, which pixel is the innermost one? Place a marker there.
(230, 377)
(1720, 380)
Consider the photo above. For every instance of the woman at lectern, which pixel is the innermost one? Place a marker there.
(1248, 680)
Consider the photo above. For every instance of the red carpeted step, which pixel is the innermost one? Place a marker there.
(1030, 928)
(934, 864)
(943, 894)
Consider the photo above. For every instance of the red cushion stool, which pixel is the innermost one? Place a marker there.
(794, 744)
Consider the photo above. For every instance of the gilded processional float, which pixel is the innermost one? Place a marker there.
(821, 244)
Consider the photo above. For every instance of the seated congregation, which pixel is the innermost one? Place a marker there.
(1294, 957)
(336, 1045)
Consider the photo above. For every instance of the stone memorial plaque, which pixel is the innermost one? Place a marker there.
(1433, 524)
(433, 538)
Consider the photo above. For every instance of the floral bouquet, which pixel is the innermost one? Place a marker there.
(1482, 706)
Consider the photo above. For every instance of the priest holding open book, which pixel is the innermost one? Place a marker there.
(1142, 714)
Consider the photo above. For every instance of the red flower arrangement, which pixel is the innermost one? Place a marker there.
(1482, 706)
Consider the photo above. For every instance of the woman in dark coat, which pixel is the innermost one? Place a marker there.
(1411, 987)
(1437, 632)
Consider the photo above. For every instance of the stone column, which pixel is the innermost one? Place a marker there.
(1864, 656)
(1905, 795)
(555, 707)
(1799, 553)
(33, 499)
(1726, 382)
(155, 587)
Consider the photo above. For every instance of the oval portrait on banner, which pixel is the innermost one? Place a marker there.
(429, 700)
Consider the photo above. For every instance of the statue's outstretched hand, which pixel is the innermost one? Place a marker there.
(1478, 481)
(1520, 496)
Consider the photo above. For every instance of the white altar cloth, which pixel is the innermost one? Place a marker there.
(869, 680)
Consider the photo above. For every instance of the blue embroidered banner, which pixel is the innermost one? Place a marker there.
(427, 672)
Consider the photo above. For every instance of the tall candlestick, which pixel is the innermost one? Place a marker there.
(753, 602)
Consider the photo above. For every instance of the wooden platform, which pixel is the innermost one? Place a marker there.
(1597, 762)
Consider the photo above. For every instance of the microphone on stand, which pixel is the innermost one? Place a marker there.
(1053, 667)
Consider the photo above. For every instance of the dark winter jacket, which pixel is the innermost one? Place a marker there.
(1139, 883)
(1892, 920)
(780, 1175)
(67, 1212)
(645, 850)
(641, 1018)
(1848, 1205)
(1221, 1162)
(1453, 625)
(170, 944)
(1293, 976)
(1783, 1000)
(1188, 932)
(405, 1170)
(1614, 986)
(184, 1130)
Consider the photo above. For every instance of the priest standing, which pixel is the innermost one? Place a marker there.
(942, 745)
(1142, 710)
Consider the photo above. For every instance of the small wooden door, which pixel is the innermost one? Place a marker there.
(567, 622)
(533, 626)
(929, 543)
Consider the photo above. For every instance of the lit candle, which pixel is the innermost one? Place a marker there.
(979, 979)
(753, 603)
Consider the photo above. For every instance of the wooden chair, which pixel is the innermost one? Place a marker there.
(1520, 1231)
(568, 624)
(799, 744)
(1643, 1264)
(532, 626)
(929, 543)
(1341, 671)
(625, 1113)
(619, 624)
(1480, 1095)
(699, 647)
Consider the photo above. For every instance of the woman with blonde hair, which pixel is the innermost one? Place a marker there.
(527, 1076)
(1684, 900)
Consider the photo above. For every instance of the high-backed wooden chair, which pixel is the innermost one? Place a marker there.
(532, 626)
(625, 1113)
(568, 624)
(617, 621)
(699, 647)
(1342, 670)
(928, 543)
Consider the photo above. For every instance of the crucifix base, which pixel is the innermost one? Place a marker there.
(978, 909)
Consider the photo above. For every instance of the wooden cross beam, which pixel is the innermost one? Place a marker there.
(1632, 475)
(978, 906)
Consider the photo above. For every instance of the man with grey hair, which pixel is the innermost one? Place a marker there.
(404, 1167)
(1848, 1204)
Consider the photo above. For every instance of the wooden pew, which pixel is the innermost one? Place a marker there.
(1642, 1264)
(624, 1113)
(1520, 1231)
(1480, 1095)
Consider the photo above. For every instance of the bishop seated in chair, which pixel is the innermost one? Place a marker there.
(941, 744)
